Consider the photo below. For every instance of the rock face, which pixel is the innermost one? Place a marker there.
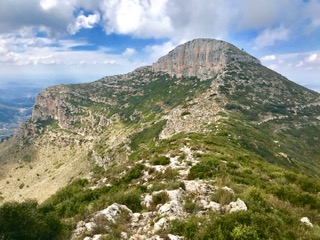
(201, 57)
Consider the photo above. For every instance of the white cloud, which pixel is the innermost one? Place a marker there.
(312, 58)
(139, 18)
(157, 51)
(269, 36)
(129, 52)
(269, 58)
(48, 4)
(83, 21)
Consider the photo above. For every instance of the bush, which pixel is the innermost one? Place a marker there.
(205, 169)
(26, 221)
(162, 160)
(223, 196)
(133, 173)
(131, 199)
(160, 198)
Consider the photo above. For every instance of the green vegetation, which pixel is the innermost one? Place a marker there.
(162, 160)
(147, 135)
(29, 221)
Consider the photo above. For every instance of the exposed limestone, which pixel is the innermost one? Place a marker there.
(203, 58)
(236, 206)
(100, 220)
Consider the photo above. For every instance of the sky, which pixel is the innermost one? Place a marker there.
(46, 42)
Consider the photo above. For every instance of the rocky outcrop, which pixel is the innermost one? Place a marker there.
(202, 58)
(49, 105)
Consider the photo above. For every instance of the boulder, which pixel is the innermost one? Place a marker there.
(306, 221)
(236, 206)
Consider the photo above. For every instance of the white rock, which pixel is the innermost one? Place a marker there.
(97, 237)
(135, 217)
(147, 200)
(306, 221)
(113, 211)
(216, 207)
(124, 235)
(87, 238)
(236, 206)
(162, 223)
(198, 187)
(174, 237)
(80, 229)
(176, 194)
(90, 226)
(171, 207)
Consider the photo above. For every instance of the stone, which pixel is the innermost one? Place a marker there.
(147, 200)
(113, 211)
(97, 237)
(124, 235)
(162, 223)
(176, 194)
(90, 226)
(236, 206)
(172, 207)
(213, 206)
(174, 237)
(306, 221)
(136, 217)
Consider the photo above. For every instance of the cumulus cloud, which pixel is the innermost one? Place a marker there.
(83, 21)
(135, 17)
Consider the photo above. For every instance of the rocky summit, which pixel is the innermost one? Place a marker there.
(202, 58)
(204, 144)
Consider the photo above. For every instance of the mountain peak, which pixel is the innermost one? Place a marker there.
(202, 58)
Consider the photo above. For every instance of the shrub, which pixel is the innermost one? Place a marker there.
(205, 169)
(133, 173)
(26, 221)
(222, 196)
(243, 232)
(160, 198)
(162, 160)
(132, 199)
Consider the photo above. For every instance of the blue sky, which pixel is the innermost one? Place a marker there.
(45, 42)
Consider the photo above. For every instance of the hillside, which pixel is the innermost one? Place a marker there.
(204, 144)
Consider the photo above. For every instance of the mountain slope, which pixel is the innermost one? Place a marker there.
(206, 134)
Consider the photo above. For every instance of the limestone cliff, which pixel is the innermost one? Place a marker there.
(203, 58)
